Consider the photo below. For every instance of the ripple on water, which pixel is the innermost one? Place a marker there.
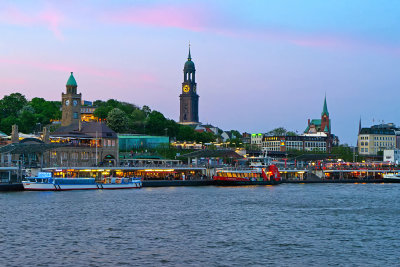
(302, 225)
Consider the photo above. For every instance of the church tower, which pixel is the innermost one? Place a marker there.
(189, 99)
(325, 121)
(71, 103)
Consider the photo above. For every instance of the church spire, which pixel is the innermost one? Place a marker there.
(325, 108)
(189, 56)
(359, 126)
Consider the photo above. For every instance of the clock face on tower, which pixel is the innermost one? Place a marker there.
(186, 88)
(75, 102)
(67, 102)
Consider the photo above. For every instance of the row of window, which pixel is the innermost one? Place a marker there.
(384, 144)
(73, 155)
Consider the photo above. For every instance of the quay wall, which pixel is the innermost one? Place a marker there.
(169, 183)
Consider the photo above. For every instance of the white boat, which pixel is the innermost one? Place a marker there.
(392, 177)
(62, 184)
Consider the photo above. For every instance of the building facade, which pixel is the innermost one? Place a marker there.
(376, 139)
(256, 139)
(189, 99)
(128, 142)
(300, 143)
(391, 155)
(80, 143)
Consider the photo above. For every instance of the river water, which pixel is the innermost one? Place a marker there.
(284, 225)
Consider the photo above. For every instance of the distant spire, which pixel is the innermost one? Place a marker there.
(189, 56)
(359, 126)
(325, 108)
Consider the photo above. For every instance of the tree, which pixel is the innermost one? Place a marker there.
(156, 123)
(280, 131)
(138, 115)
(117, 120)
(11, 104)
(102, 112)
(146, 110)
(343, 152)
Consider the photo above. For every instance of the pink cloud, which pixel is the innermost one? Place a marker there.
(34, 64)
(47, 17)
(188, 18)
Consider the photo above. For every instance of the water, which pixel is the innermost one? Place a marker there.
(285, 225)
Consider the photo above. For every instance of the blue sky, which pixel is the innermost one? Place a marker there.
(260, 64)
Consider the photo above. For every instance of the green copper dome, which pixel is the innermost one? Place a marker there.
(189, 65)
(71, 81)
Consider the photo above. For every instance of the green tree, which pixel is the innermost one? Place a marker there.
(11, 104)
(117, 120)
(6, 123)
(185, 133)
(156, 123)
(138, 115)
(280, 131)
(343, 152)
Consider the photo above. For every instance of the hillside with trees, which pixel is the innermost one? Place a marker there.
(122, 117)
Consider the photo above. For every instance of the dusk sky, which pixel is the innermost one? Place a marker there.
(260, 64)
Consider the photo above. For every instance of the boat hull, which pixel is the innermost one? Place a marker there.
(120, 186)
(391, 180)
(224, 181)
(29, 186)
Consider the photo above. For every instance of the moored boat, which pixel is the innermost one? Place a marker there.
(391, 177)
(253, 176)
(48, 183)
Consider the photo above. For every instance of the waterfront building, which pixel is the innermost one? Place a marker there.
(87, 111)
(189, 99)
(81, 143)
(391, 155)
(300, 143)
(206, 128)
(256, 139)
(246, 138)
(129, 142)
(376, 139)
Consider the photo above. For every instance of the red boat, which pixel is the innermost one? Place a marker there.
(257, 176)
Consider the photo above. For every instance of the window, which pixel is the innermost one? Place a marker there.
(75, 115)
(366, 143)
(366, 149)
(85, 155)
(362, 149)
(74, 155)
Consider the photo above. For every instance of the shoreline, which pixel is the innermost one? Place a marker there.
(172, 183)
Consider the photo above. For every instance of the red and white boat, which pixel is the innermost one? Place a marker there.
(254, 176)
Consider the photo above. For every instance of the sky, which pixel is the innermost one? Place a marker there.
(259, 64)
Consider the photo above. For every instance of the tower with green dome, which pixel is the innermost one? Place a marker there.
(189, 99)
(71, 103)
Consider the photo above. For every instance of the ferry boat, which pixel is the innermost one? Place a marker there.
(253, 176)
(391, 177)
(49, 183)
